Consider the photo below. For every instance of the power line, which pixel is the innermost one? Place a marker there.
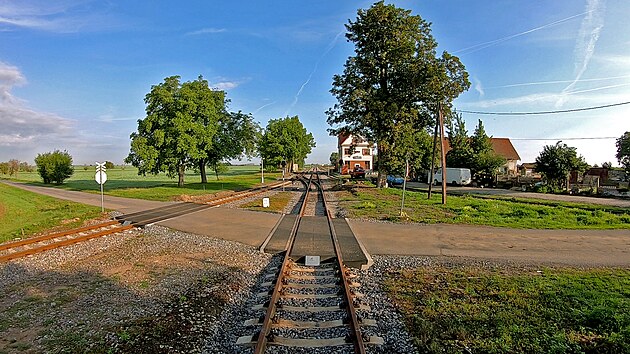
(544, 112)
(562, 139)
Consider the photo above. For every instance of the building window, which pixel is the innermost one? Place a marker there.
(346, 151)
(366, 152)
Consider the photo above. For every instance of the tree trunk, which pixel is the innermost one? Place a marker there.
(180, 172)
(216, 171)
(202, 170)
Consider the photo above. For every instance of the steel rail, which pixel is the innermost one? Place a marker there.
(263, 335)
(37, 239)
(58, 244)
(355, 328)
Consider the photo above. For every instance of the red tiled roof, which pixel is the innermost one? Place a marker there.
(501, 146)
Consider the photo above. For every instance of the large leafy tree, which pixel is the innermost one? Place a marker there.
(623, 151)
(394, 82)
(555, 162)
(236, 136)
(177, 132)
(54, 166)
(285, 140)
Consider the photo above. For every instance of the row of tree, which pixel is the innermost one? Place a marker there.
(13, 166)
(188, 126)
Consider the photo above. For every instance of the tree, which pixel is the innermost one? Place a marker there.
(461, 153)
(394, 82)
(54, 166)
(475, 152)
(25, 167)
(237, 135)
(485, 160)
(334, 159)
(287, 140)
(623, 151)
(556, 161)
(14, 167)
(178, 129)
(4, 167)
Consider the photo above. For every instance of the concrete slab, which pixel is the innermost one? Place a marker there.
(249, 227)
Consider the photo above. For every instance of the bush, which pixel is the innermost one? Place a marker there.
(54, 166)
(109, 165)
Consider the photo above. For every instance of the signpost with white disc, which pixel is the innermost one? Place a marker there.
(101, 177)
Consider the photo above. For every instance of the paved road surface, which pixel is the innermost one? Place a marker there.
(569, 247)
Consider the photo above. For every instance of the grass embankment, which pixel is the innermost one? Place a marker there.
(127, 183)
(494, 311)
(277, 203)
(25, 213)
(384, 204)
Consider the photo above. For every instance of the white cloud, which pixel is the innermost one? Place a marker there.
(22, 129)
(479, 87)
(206, 31)
(226, 85)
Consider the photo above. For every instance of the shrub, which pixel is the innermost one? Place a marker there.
(54, 166)
(109, 165)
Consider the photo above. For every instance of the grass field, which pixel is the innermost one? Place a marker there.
(127, 182)
(469, 310)
(277, 203)
(25, 213)
(385, 204)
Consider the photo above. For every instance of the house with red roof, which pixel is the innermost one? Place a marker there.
(354, 151)
(504, 148)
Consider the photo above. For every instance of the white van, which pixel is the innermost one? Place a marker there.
(455, 176)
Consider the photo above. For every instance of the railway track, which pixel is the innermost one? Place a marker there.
(33, 245)
(312, 305)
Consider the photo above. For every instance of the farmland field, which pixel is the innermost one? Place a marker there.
(127, 183)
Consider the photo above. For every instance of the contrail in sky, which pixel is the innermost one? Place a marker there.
(263, 106)
(310, 76)
(536, 83)
(485, 45)
(587, 38)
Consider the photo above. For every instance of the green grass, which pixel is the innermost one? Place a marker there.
(25, 213)
(491, 311)
(127, 182)
(384, 204)
(277, 203)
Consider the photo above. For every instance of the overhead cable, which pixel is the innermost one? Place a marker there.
(544, 112)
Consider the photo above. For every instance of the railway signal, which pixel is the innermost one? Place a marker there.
(101, 177)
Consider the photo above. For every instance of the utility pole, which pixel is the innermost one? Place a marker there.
(262, 170)
(432, 172)
(442, 153)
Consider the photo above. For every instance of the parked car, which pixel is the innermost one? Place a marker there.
(395, 180)
(357, 173)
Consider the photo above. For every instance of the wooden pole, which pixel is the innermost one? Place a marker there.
(430, 179)
(442, 153)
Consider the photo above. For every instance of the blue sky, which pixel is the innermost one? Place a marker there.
(74, 73)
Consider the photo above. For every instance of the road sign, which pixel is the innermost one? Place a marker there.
(100, 177)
